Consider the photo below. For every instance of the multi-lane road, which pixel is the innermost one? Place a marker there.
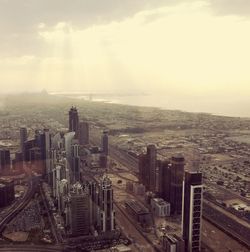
(30, 248)
(19, 207)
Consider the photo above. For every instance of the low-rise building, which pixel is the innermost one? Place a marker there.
(173, 243)
(160, 208)
(139, 212)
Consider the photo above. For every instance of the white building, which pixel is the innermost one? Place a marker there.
(160, 207)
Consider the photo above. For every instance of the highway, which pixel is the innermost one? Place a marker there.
(236, 230)
(28, 196)
(30, 248)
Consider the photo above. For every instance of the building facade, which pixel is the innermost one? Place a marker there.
(192, 211)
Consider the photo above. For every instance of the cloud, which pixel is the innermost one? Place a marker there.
(19, 20)
(231, 7)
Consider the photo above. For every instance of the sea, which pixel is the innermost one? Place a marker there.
(233, 107)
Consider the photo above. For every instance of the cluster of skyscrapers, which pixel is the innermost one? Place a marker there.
(182, 189)
(85, 206)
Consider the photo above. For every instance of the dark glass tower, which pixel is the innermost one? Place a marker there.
(177, 164)
(105, 142)
(192, 211)
(83, 133)
(4, 160)
(151, 156)
(23, 138)
(73, 120)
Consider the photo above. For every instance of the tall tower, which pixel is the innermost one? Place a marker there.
(75, 163)
(176, 180)
(79, 211)
(73, 120)
(147, 168)
(4, 160)
(46, 149)
(23, 138)
(107, 213)
(164, 179)
(192, 211)
(105, 142)
(151, 155)
(83, 133)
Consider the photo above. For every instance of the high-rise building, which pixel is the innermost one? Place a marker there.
(192, 211)
(75, 169)
(83, 133)
(17, 162)
(79, 211)
(45, 149)
(28, 145)
(73, 120)
(4, 160)
(23, 138)
(7, 192)
(107, 213)
(68, 137)
(105, 142)
(147, 168)
(93, 202)
(151, 154)
(164, 179)
(177, 164)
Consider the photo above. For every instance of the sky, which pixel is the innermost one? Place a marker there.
(181, 48)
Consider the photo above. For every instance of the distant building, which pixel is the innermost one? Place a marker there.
(142, 167)
(45, 149)
(107, 213)
(73, 120)
(75, 169)
(177, 164)
(151, 154)
(23, 138)
(173, 243)
(103, 160)
(105, 142)
(17, 162)
(192, 211)
(139, 189)
(160, 208)
(7, 192)
(4, 160)
(28, 145)
(83, 134)
(68, 138)
(79, 211)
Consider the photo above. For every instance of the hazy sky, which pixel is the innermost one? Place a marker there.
(177, 47)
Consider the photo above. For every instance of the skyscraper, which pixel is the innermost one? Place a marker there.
(83, 134)
(73, 120)
(164, 180)
(147, 168)
(79, 211)
(192, 211)
(105, 142)
(151, 154)
(177, 163)
(45, 149)
(107, 213)
(4, 160)
(23, 138)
